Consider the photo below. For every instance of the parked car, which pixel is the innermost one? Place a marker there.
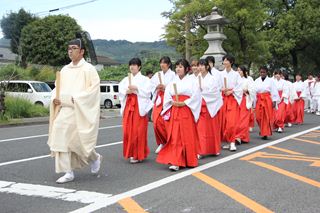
(36, 92)
(109, 91)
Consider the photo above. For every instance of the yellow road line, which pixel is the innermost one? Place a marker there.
(287, 173)
(251, 204)
(307, 141)
(285, 150)
(131, 206)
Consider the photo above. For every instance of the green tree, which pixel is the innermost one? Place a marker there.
(245, 38)
(12, 25)
(182, 31)
(45, 41)
(294, 32)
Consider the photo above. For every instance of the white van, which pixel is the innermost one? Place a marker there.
(36, 92)
(109, 93)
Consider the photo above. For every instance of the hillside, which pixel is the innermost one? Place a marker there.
(122, 50)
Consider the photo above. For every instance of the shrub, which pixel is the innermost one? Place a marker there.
(21, 108)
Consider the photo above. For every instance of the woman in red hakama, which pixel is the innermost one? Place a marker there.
(280, 112)
(298, 105)
(245, 106)
(182, 102)
(208, 125)
(134, 94)
(266, 98)
(232, 96)
(159, 82)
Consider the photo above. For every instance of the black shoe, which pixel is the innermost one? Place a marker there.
(264, 138)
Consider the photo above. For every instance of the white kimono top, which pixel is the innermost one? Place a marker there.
(143, 93)
(217, 75)
(282, 85)
(233, 82)
(308, 87)
(166, 78)
(299, 86)
(315, 90)
(248, 84)
(185, 86)
(210, 92)
(267, 85)
(292, 92)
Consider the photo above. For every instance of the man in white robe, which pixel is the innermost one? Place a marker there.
(74, 116)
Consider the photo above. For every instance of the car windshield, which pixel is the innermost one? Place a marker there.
(41, 87)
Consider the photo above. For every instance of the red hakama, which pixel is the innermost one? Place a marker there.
(182, 144)
(209, 132)
(243, 122)
(280, 114)
(298, 110)
(158, 122)
(230, 110)
(251, 122)
(135, 128)
(264, 113)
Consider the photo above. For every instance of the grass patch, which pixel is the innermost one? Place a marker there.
(21, 108)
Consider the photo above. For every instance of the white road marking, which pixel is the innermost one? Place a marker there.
(137, 191)
(46, 156)
(46, 135)
(58, 193)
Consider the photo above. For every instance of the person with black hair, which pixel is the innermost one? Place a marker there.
(134, 96)
(245, 106)
(181, 109)
(208, 125)
(159, 82)
(283, 90)
(232, 96)
(266, 100)
(74, 115)
(298, 105)
(214, 71)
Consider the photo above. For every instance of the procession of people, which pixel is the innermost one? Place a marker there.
(197, 110)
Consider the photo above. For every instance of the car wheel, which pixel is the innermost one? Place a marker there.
(108, 104)
(39, 103)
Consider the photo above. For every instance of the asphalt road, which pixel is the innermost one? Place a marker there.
(278, 175)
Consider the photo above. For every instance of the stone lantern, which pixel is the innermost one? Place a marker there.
(214, 24)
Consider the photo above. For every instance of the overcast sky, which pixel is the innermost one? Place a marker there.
(132, 20)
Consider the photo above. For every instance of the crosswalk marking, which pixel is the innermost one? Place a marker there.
(59, 193)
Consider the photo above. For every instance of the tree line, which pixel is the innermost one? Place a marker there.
(279, 33)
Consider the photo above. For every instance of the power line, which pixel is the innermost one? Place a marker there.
(64, 8)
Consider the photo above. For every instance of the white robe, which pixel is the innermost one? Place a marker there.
(267, 85)
(210, 92)
(292, 92)
(233, 82)
(282, 85)
(144, 92)
(185, 86)
(248, 84)
(166, 78)
(75, 128)
(217, 75)
(308, 85)
(299, 86)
